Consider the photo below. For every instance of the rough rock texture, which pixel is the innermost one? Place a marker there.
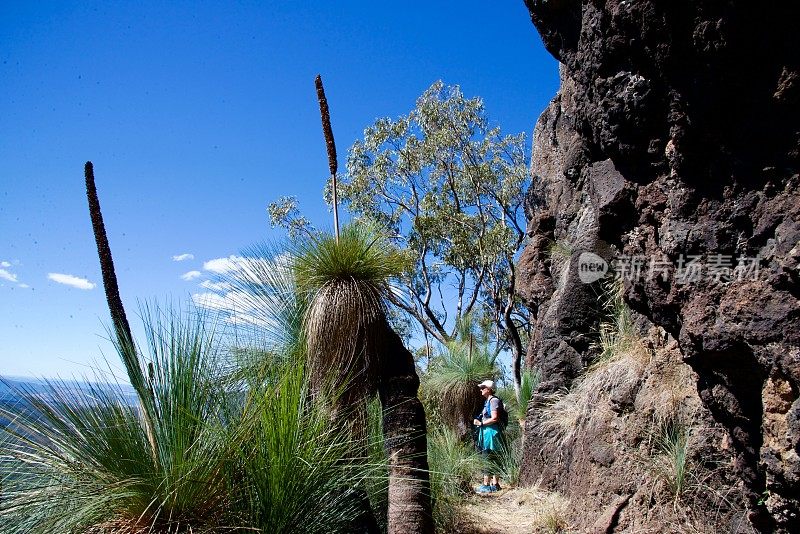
(676, 134)
(605, 445)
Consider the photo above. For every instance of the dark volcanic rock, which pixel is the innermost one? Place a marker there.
(676, 134)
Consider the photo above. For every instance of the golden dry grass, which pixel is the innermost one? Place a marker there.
(515, 511)
(562, 417)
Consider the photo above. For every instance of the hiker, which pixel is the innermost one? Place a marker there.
(489, 435)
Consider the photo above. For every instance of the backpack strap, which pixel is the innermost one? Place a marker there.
(489, 402)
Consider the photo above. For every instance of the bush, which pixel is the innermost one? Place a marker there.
(453, 464)
(198, 456)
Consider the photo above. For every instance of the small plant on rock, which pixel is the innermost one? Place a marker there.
(673, 465)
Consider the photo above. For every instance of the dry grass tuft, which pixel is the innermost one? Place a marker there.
(622, 360)
(549, 510)
(668, 399)
(564, 413)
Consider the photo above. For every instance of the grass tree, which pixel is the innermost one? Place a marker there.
(452, 378)
(194, 454)
(249, 459)
(83, 457)
(353, 351)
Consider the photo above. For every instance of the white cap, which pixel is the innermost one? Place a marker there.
(487, 383)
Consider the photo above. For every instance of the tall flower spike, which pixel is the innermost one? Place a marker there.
(330, 145)
(122, 328)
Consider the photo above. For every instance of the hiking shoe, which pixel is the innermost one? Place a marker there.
(495, 487)
(484, 488)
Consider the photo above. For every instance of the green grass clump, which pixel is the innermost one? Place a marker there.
(453, 464)
(672, 463)
(509, 461)
(360, 254)
(618, 335)
(517, 402)
(197, 456)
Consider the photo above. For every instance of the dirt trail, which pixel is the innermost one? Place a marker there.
(514, 511)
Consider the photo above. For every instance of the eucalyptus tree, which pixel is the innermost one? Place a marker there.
(450, 189)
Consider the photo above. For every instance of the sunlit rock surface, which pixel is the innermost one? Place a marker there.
(676, 136)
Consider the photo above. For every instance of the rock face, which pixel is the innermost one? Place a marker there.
(630, 441)
(673, 146)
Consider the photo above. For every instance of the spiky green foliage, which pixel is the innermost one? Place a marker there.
(295, 472)
(452, 380)
(530, 381)
(267, 459)
(516, 402)
(362, 254)
(453, 463)
(259, 296)
(376, 486)
(85, 458)
(617, 332)
(671, 462)
(508, 461)
(345, 284)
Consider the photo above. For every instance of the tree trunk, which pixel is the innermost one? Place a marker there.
(516, 352)
(513, 332)
(405, 438)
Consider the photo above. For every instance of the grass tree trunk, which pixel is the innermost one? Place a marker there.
(405, 435)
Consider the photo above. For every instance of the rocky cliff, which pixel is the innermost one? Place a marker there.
(672, 152)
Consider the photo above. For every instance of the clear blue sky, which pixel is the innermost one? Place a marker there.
(197, 115)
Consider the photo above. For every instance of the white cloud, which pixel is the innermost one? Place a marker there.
(70, 280)
(191, 275)
(241, 307)
(5, 275)
(247, 269)
(183, 257)
(224, 265)
(215, 286)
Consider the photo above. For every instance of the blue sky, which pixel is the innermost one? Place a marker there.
(197, 115)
